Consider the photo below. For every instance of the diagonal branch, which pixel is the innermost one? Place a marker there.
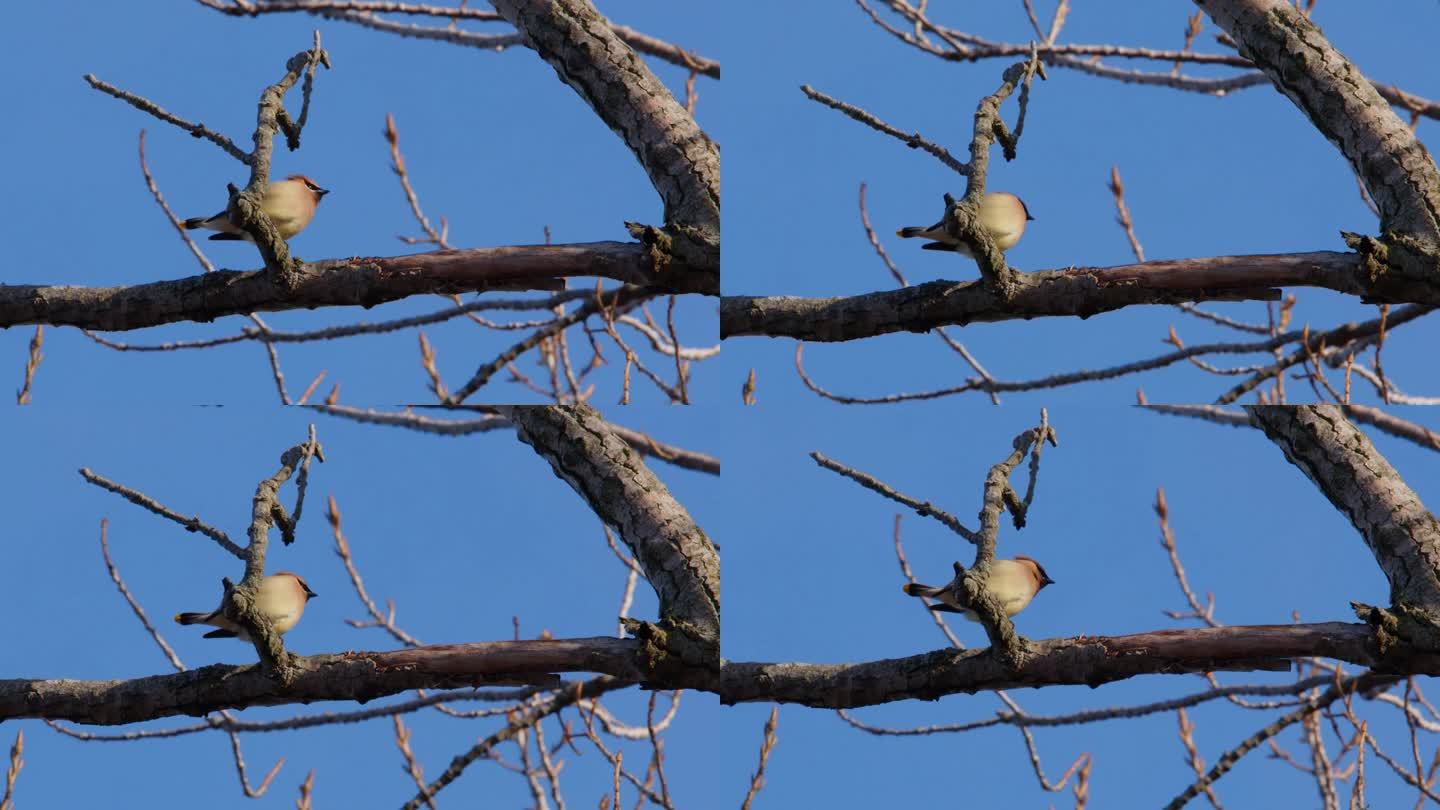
(682, 162)
(1338, 100)
(1352, 474)
(678, 560)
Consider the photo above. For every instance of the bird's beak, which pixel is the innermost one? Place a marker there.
(309, 594)
(1029, 218)
(321, 192)
(1046, 580)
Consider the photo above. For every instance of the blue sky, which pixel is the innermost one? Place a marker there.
(810, 576)
(466, 533)
(1204, 177)
(462, 533)
(495, 142)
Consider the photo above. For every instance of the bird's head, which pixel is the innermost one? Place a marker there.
(1041, 578)
(310, 185)
(309, 594)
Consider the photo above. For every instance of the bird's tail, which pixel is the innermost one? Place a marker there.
(192, 618)
(195, 222)
(916, 589)
(909, 233)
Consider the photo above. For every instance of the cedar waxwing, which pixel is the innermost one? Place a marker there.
(290, 204)
(1003, 214)
(1014, 582)
(282, 598)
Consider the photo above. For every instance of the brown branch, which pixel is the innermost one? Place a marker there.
(1091, 660)
(589, 689)
(1229, 758)
(1357, 480)
(358, 676)
(241, 602)
(922, 508)
(7, 799)
(1078, 292)
(683, 164)
(1339, 102)
(643, 43)
(191, 524)
(32, 364)
(362, 282)
(914, 140)
(145, 105)
(767, 743)
(678, 560)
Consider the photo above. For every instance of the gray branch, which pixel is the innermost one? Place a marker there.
(1348, 110)
(1400, 532)
(361, 281)
(683, 164)
(1075, 291)
(359, 676)
(1089, 661)
(674, 554)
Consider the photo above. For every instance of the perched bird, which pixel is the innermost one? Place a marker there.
(290, 204)
(1003, 214)
(282, 599)
(1014, 582)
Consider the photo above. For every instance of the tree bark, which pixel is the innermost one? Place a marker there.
(1347, 109)
(361, 282)
(360, 676)
(674, 554)
(1402, 534)
(1090, 661)
(1079, 292)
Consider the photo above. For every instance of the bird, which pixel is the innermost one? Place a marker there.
(282, 599)
(1013, 582)
(1003, 214)
(290, 204)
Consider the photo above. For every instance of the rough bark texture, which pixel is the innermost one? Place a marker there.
(1347, 110)
(1078, 292)
(675, 556)
(358, 676)
(1402, 534)
(240, 601)
(1090, 661)
(338, 282)
(683, 164)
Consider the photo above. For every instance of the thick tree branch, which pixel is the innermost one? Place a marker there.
(1402, 534)
(1346, 108)
(1089, 660)
(360, 676)
(674, 554)
(1082, 292)
(241, 601)
(337, 282)
(683, 164)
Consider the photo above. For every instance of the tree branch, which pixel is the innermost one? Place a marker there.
(676, 557)
(683, 164)
(335, 282)
(359, 676)
(1343, 105)
(1074, 291)
(1090, 660)
(1402, 534)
